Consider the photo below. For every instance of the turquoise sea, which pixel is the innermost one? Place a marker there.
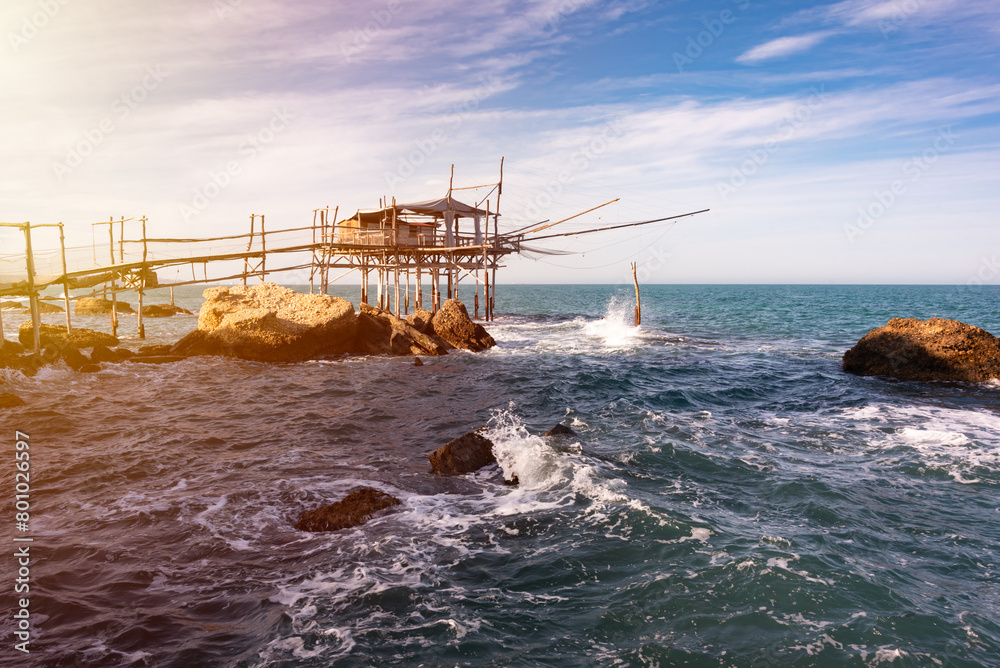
(731, 496)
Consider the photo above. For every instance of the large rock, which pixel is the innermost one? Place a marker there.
(420, 320)
(45, 307)
(56, 336)
(270, 323)
(464, 454)
(163, 311)
(99, 305)
(935, 349)
(355, 508)
(453, 324)
(389, 334)
(8, 400)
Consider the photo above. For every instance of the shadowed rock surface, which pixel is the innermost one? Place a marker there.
(464, 454)
(354, 509)
(56, 336)
(98, 305)
(560, 430)
(453, 324)
(8, 400)
(163, 311)
(934, 349)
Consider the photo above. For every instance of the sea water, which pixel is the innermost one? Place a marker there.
(731, 497)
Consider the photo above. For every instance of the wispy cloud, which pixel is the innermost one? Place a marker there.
(783, 46)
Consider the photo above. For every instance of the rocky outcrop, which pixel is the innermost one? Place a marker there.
(464, 454)
(421, 320)
(45, 307)
(99, 305)
(383, 332)
(270, 323)
(56, 336)
(560, 430)
(163, 311)
(8, 400)
(934, 349)
(453, 324)
(355, 508)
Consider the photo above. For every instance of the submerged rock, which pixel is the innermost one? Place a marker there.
(464, 454)
(56, 336)
(8, 400)
(354, 509)
(99, 305)
(560, 430)
(163, 311)
(45, 307)
(270, 323)
(453, 324)
(934, 349)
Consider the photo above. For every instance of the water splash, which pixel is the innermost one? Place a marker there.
(617, 326)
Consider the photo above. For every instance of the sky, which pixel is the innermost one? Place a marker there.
(833, 142)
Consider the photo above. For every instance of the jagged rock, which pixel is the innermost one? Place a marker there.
(453, 324)
(417, 361)
(464, 454)
(934, 349)
(560, 430)
(56, 336)
(373, 335)
(8, 400)
(123, 354)
(99, 305)
(421, 321)
(355, 508)
(45, 307)
(11, 347)
(102, 354)
(74, 359)
(163, 311)
(270, 323)
(9, 304)
(403, 338)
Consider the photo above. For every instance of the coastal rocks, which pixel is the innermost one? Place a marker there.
(381, 332)
(560, 430)
(355, 508)
(99, 305)
(453, 324)
(45, 307)
(934, 349)
(464, 454)
(270, 323)
(163, 311)
(55, 335)
(8, 400)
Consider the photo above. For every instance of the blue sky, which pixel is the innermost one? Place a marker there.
(834, 142)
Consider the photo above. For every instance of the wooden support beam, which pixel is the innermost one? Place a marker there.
(29, 259)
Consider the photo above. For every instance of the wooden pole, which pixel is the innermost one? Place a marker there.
(638, 308)
(65, 280)
(142, 281)
(418, 295)
(171, 295)
(246, 260)
(114, 295)
(29, 259)
(263, 251)
(496, 238)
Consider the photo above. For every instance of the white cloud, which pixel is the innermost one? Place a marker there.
(782, 46)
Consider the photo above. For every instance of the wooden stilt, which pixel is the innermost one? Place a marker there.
(65, 280)
(29, 259)
(638, 308)
(142, 282)
(114, 296)
(418, 297)
(171, 295)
